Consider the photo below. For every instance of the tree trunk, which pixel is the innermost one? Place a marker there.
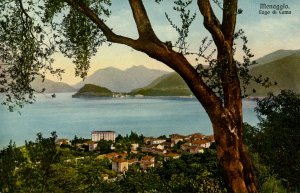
(234, 160)
(228, 129)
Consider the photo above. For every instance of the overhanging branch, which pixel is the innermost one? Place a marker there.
(110, 35)
(229, 19)
(142, 21)
(211, 22)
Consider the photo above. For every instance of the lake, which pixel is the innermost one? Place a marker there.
(73, 116)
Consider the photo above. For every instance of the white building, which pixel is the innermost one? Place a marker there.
(120, 165)
(105, 135)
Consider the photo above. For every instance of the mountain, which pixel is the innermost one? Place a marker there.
(285, 71)
(90, 90)
(51, 86)
(122, 80)
(276, 56)
(168, 85)
(284, 68)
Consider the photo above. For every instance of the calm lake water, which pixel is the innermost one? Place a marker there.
(71, 116)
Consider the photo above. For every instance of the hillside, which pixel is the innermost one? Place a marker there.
(51, 86)
(279, 54)
(167, 85)
(90, 90)
(285, 71)
(122, 80)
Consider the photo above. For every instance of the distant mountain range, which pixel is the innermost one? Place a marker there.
(276, 56)
(282, 66)
(122, 80)
(51, 86)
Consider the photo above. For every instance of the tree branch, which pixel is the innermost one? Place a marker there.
(142, 21)
(211, 22)
(229, 19)
(110, 35)
(153, 47)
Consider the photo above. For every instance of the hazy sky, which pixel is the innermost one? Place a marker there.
(266, 33)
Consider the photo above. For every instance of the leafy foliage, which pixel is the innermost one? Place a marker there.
(10, 158)
(31, 32)
(211, 69)
(104, 146)
(42, 154)
(190, 173)
(275, 144)
(25, 51)
(280, 134)
(76, 35)
(186, 21)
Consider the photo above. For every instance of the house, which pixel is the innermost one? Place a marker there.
(159, 151)
(119, 165)
(210, 138)
(200, 143)
(153, 141)
(176, 135)
(175, 138)
(132, 161)
(105, 135)
(194, 150)
(147, 162)
(158, 146)
(146, 149)
(92, 145)
(196, 136)
(154, 149)
(134, 147)
(111, 156)
(62, 142)
(168, 144)
(170, 155)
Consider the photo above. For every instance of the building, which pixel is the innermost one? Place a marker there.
(120, 165)
(168, 156)
(92, 145)
(176, 138)
(200, 143)
(153, 141)
(147, 162)
(105, 135)
(196, 136)
(134, 147)
(62, 142)
(194, 150)
(111, 155)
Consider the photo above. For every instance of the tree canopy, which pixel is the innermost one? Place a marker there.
(275, 142)
(278, 139)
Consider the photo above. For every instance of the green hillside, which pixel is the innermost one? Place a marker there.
(285, 71)
(90, 90)
(168, 85)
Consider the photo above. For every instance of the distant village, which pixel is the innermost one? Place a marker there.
(146, 154)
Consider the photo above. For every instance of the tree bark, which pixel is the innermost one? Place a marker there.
(236, 165)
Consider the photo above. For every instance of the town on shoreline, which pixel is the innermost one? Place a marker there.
(136, 150)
